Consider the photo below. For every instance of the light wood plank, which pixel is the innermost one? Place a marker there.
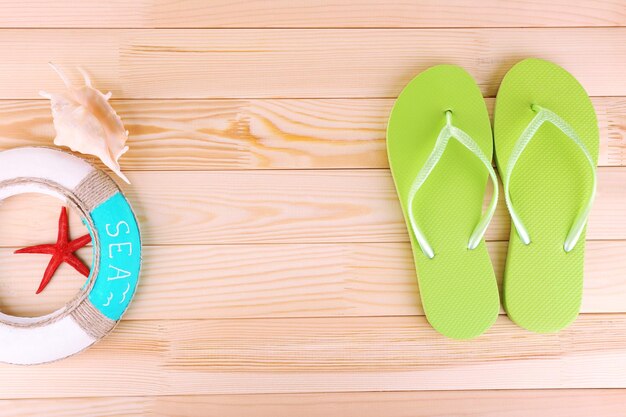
(307, 206)
(260, 134)
(327, 355)
(316, 280)
(231, 241)
(287, 63)
(541, 403)
(315, 13)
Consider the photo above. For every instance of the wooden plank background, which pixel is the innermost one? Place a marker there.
(278, 278)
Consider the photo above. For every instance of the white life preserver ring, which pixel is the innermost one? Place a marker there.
(116, 255)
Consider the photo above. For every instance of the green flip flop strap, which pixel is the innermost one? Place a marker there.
(544, 115)
(447, 132)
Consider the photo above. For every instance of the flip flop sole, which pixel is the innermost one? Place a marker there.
(458, 287)
(550, 184)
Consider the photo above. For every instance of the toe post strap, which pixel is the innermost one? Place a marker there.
(449, 131)
(544, 115)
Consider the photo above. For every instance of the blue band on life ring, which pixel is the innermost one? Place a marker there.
(120, 256)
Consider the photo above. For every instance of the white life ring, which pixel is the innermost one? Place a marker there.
(116, 255)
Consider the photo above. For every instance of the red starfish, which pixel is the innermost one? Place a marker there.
(62, 251)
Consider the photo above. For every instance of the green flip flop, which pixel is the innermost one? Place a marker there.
(440, 146)
(546, 139)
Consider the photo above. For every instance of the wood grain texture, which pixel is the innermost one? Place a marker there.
(314, 14)
(327, 355)
(541, 403)
(262, 134)
(299, 63)
(321, 206)
(277, 278)
(283, 280)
